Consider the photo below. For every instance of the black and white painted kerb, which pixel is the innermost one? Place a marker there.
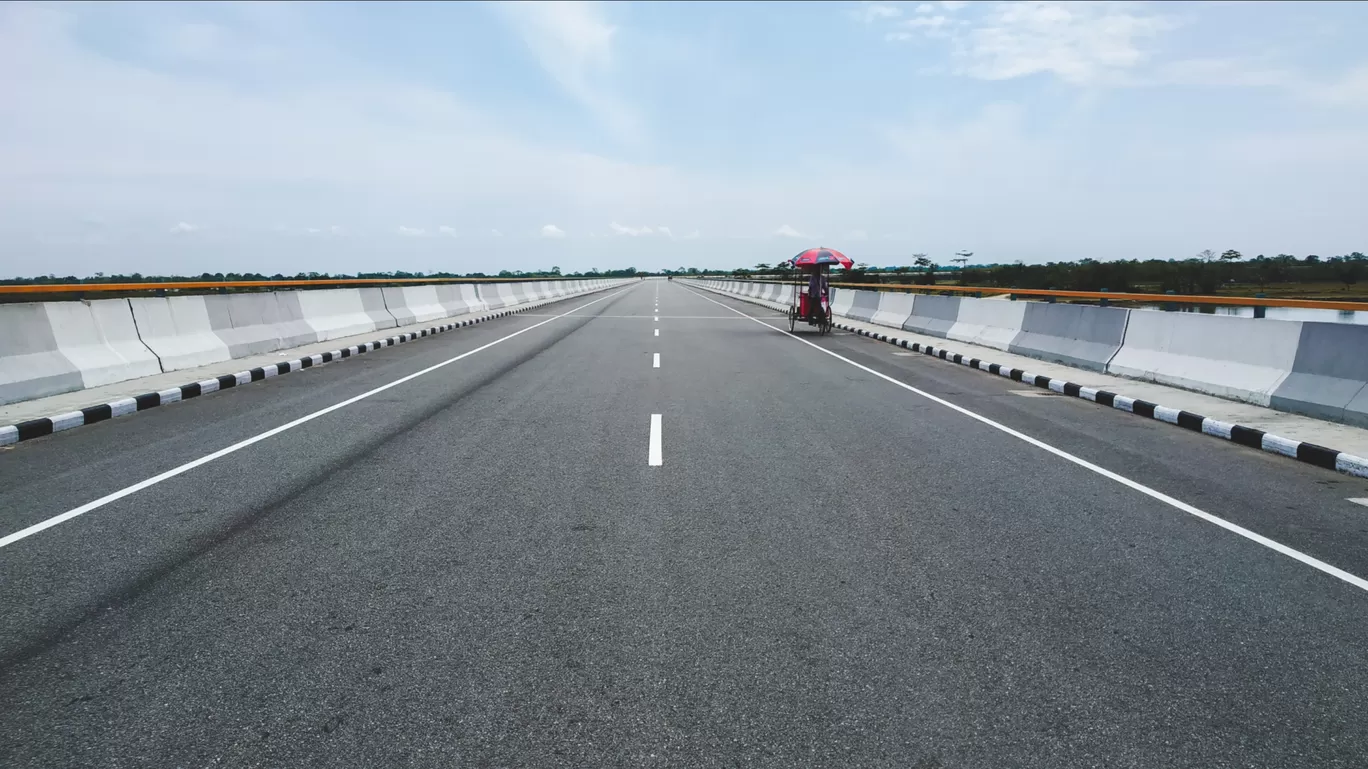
(1245, 436)
(37, 428)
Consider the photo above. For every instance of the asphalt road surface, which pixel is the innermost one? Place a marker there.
(507, 560)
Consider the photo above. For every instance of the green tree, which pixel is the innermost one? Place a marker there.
(1231, 256)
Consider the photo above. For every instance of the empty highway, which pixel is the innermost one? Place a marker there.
(645, 527)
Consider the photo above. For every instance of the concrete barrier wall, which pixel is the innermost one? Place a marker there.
(251, 324)
(177, 330)
(1237, 358)
(988, 322)
(31, 366)
(458, 299)
(932, 315)
(1076, 335)
(863, 305)
(373, 303)
(100, 338)
(894, 310)
(47, 348)
(1313, 368)
(336, 313)
(841, 301)
(1329, 377)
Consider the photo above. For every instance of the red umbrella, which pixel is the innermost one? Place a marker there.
(815, 256)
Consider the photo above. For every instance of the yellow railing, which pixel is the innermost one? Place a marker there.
(1116, 296)
(62, 288)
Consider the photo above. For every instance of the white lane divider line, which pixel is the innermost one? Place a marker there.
(10, 539)
(1359, 501)
(1278, 547)
(657, 332)
(657, 319)
(653, 454)
(655, 361)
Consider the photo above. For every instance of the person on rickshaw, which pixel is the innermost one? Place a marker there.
(817, 293)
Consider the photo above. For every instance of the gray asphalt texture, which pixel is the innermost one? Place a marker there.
(479, 568)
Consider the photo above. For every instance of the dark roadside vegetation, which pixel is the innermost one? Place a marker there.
(1343, 278)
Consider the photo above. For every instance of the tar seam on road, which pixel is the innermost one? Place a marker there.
(1278, 547)
(653, 454)
(188, 466)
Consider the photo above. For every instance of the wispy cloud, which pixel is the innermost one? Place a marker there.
(1081, 43)
(448, 231)
(857, 235)
(411, 232)
(573, 42)
(552, 231)
(184, 227)
(633, 231)
(871, 12)
(785, 231)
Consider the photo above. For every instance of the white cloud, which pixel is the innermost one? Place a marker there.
(665, 231)
(925, 8)
(573, 42)
(926, 21)
(633, 231)
(786, 231)
(1350, 90)
(552, 231)
(857, 235)
(953, 5)
(445, 230)
(496, 233)
(871, 12)
(411, 232)
(692, 235)
(181, 227)
(1081, 43)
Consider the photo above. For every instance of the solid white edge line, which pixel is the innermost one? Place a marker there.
(1273, 545)
(655, 361)
(653, 453)
(1359, 501)
(24, 533)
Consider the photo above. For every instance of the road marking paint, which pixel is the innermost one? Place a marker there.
(1359, 501)
(1273, 545)
(655, 362)
(657, 332)
(657, 319)
(904, 354)
(10, 539)
(653, 455)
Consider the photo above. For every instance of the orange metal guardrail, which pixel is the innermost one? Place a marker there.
(1118, 296)
(58, 288)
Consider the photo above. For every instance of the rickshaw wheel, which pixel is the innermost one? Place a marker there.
(793, 320)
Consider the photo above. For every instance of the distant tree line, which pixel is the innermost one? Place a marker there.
(219, 277)
(1204, 273)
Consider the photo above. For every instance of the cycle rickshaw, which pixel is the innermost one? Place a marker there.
(811, 302)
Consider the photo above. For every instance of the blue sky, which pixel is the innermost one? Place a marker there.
(166, 137)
